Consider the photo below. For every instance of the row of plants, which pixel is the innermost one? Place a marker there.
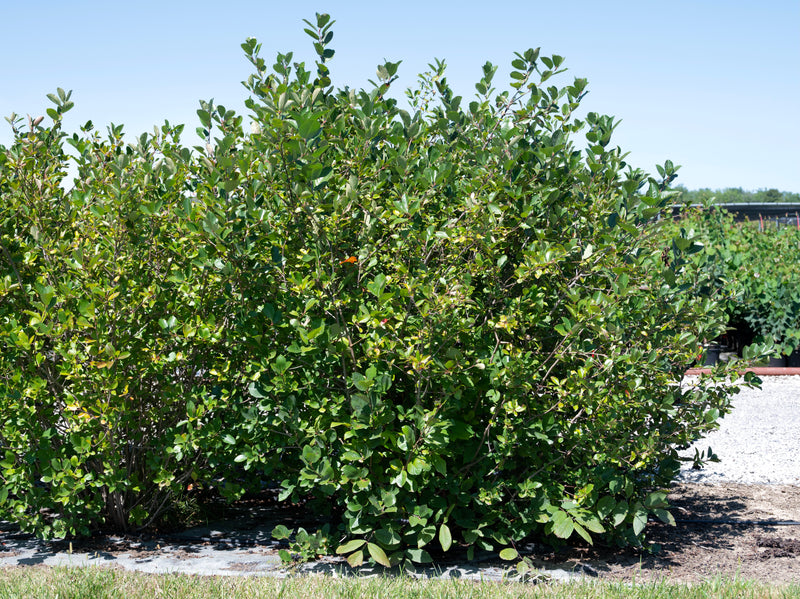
(737, 195)
(756, 275)
(438, 326)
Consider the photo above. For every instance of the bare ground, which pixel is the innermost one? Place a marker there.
(724, 529)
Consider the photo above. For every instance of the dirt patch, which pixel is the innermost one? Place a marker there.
(721, 530)
(778, 547)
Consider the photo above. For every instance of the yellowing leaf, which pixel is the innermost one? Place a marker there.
(351, 545)
(378, 555)
(509, 553)
(356, 559)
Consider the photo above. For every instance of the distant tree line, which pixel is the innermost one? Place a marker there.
(735, 195)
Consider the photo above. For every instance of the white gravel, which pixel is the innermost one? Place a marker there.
(758, 442)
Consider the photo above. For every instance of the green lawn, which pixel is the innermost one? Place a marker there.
(97, 583)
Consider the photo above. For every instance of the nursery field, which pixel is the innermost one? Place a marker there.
(755, 275)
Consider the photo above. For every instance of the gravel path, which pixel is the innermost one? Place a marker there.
(758, 442)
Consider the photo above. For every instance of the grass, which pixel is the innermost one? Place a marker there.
(98, 583)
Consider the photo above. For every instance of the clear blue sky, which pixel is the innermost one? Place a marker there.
(711, 85)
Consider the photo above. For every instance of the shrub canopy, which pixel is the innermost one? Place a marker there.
(442, 324)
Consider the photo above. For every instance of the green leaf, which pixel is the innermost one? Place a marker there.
(80, 443)
(445, 538)
(426, 535)
(639, 519)
(605, 506)
(324, 175)
(415, 520)
(376, 285)
(619, 513)
(280, 532)
(280, 365)
(277, 258)
(378, 555)
(314, 333)
(405, 117)
(417, 466)
(46, 293)
(591, 523)
(168, 323)
(682, 243)
(86, 308)
(361, 382)
(583, 533)
(387, 538)
(391, 67)
(307, 127)
(711, 415)
(286, 492)
(562, 525)
(351, 545)
(311, 454)
(419, 556)
(254, 391)
(408, 438)
(205, 118)
(508, 554)
(665, 516)
(656, 499)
